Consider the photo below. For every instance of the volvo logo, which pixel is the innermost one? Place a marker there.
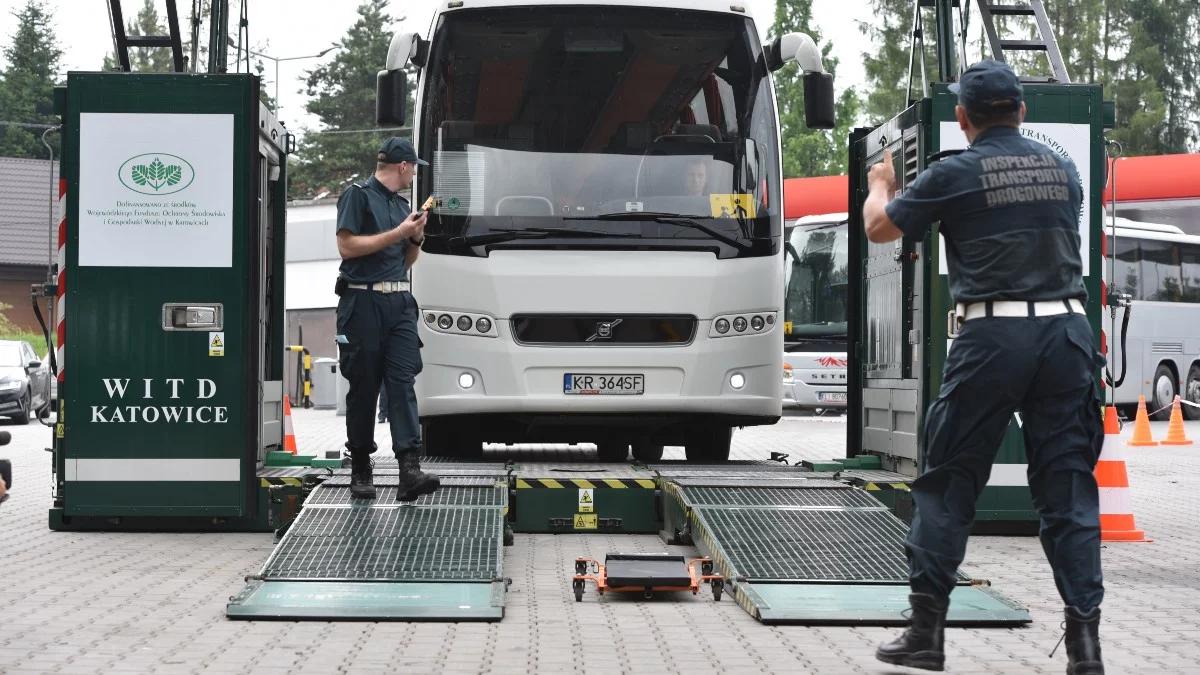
(604, 330)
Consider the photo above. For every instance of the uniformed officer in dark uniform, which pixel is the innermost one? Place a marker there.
(379, 239)
(1009, 210)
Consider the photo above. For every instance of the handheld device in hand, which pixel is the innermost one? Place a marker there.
(430, 203)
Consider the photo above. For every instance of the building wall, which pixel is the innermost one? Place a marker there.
(15, 283)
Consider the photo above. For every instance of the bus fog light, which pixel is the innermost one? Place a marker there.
(466, 380)
(737, 380)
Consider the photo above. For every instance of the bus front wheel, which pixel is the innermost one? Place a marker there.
(1163, 393)
(1191, 392)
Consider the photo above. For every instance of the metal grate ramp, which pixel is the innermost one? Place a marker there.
(812, 551)
(439, 558)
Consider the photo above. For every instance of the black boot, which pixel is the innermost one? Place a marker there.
(361, 486)
(413, 481)
(921, 645)
(1083, 642)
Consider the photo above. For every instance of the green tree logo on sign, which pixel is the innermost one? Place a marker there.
(156, 174)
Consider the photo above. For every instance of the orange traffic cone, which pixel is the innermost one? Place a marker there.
(1141, 426)
(289, 434)
(1175, 433)
(1116, 511)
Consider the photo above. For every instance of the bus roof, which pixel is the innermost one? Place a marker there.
(820, 219)
(1127, 224)
(722, 6)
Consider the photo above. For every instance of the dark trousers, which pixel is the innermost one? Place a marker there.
(1045, 369)
(383, 350)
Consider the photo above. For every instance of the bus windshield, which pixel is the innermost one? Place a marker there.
(647, 128)
(816, 282)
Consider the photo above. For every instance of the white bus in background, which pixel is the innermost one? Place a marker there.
(1159, 266)
(816, 257)
(602, 262)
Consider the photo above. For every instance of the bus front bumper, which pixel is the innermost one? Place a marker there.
(507, 378)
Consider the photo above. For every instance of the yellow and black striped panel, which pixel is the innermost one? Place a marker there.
(878, 487)
(595, 483)
(746, 602)
(265, 481)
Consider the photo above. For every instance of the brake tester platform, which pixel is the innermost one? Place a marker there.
(791, 544)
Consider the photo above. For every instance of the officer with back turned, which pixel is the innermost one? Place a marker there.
(1009, 209)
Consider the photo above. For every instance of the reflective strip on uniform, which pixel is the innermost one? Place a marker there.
(1115, 501)
(163, 469)
(1009, 475)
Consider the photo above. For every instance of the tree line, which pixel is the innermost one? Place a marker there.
(1146, 54)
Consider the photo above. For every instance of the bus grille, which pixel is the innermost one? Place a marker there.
(600, 330)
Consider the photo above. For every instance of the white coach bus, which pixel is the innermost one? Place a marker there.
(602, 262)
(816, 259)
(1159, 267)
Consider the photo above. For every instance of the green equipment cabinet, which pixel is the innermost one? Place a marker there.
(899, 298)
(171, 387)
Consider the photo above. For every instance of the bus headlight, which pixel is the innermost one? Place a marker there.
(758, 323)
(455, 322)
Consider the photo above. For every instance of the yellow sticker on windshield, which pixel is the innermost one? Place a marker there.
(726, 206)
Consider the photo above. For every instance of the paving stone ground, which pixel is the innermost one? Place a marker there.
(132, 603)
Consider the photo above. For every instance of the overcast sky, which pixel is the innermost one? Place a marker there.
(289, 28)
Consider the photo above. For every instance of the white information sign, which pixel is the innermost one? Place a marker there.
(1069, 140)
(155, 190)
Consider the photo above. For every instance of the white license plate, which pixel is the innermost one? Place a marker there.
(599, 384)
(832, 397)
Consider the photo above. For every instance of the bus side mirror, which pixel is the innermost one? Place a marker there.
(818, 84)
(391, 88)
(818, 101)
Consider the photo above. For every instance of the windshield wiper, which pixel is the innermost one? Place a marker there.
(670, 219)
(495, 236)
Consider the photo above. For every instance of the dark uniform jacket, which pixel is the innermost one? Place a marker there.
(370, 208)
(1009, 209)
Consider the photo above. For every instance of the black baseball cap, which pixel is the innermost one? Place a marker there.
(989, 87)
(396, 150)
